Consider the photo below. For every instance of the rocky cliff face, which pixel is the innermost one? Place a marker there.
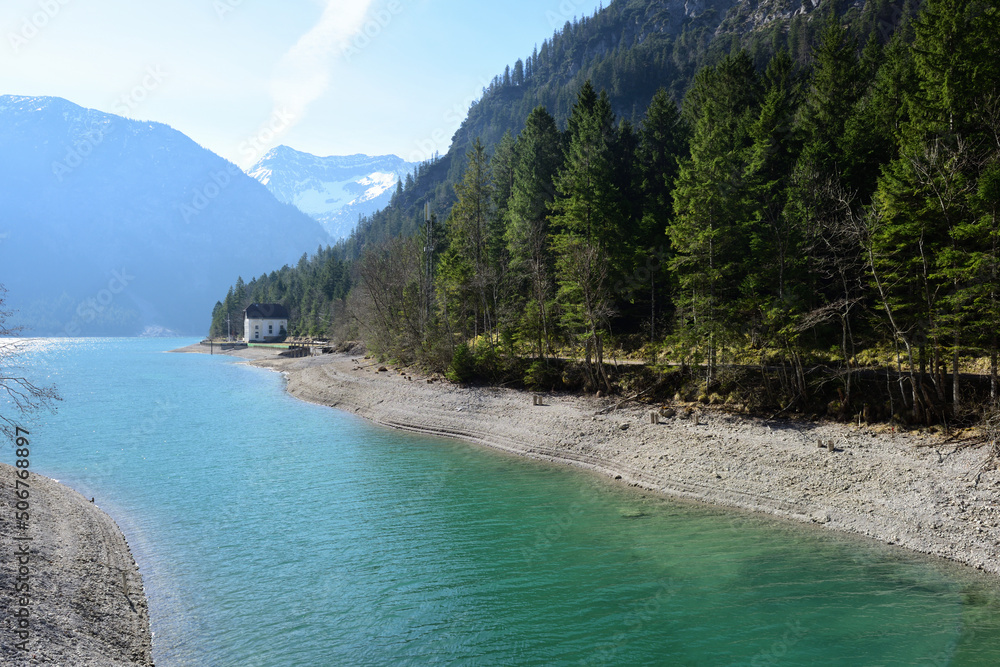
(748, 15)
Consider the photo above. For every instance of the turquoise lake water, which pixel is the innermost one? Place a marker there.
(274, 532)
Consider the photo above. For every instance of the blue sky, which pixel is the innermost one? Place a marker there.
(330, 77)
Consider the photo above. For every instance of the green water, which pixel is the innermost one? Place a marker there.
(273, 532)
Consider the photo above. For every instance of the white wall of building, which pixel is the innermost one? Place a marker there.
(257, 330)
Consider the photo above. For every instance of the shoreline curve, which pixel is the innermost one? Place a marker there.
(87, 602)
(907, 489)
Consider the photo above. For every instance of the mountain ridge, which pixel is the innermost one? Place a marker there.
(85, 194)
(334, 190)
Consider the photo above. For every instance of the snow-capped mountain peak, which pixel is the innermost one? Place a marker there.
(334, 190)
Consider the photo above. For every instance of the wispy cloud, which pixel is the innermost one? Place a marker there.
(303, 74)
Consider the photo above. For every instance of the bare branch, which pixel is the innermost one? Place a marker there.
(19, 395)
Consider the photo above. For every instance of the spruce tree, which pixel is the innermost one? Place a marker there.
(467, 272)
(663, 143)
(587, 217)
(709, 229)
(930, 248)
(539, 156)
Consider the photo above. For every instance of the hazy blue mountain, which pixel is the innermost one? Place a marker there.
(333, 190)
(110, 226)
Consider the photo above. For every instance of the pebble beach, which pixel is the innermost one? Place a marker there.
(86, 604)
(915, 490)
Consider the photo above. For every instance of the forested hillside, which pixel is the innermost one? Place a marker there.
(813, 228)
(631, 49)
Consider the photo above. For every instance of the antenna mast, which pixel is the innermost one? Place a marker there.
(429, 251)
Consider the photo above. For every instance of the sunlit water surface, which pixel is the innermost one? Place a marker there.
(274, 532)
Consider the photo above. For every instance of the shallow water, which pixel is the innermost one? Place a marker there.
(274, 532)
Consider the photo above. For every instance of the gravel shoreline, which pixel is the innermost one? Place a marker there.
(87, 604)
(908, 489)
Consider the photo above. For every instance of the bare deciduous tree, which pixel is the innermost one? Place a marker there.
(588, 304)
(20, 395)
(389, 309)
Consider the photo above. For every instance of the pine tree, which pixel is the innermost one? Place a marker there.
(467, 270)
(928, 247)
(957, 67)
(708, 232)
(774, 240)
(663, 143)
(871, 132)
(833, 89)
(590, 204)
(588, 215)
(502, 167)
(539, 156)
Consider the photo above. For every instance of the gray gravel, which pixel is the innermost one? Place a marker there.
(914, 490)
(87, 602)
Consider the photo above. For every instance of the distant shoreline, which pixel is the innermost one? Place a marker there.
(911, 490)
(87, 602)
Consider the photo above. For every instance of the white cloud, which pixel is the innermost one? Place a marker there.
(303, 74)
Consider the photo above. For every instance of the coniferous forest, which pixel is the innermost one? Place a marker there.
(802, 220)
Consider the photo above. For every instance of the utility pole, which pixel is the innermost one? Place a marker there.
(429, 253)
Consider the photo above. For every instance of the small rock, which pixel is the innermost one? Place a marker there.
(382, 369)
(623, 426)
(668, 413)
